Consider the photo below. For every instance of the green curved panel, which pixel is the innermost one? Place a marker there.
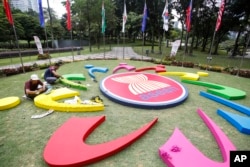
(220, 90)
(73, 84)
(76, 77)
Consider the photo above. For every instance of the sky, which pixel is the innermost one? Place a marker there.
(56, 5)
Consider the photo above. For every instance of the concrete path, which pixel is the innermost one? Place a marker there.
(116, 53)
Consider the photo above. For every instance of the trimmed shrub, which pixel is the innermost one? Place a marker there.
(43, 56)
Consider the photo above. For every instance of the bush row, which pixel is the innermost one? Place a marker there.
(231, 70)
(15, 53)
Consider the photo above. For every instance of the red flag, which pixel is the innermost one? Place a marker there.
(222, 6)
(68, 15)
(188, 16)
(8, 11)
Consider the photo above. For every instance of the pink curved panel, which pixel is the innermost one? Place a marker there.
(178, 151)
(123, 66)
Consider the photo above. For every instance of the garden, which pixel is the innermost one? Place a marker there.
(23, 139)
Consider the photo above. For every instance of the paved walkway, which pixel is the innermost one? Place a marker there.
(116, 53)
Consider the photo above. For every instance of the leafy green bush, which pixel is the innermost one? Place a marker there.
(241, 73)
(43, 56)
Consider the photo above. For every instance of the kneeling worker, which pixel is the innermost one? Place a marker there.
(34, 87)
(51, 75)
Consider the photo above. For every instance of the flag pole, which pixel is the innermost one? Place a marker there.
(210, 57)
(124, 19)
(19, 52)
(50, 19)
(241, 61)
(104, 45)
(163, 45)
(123, 45)
(123, 37)
(71, 45)
(188, 27)
(186, 48)
(10, 19)
(42, 24)
(69, 27)
(103, 26)
(217, 26)
(165, 26)
(47, 44)
(144, 22)
(142, 45)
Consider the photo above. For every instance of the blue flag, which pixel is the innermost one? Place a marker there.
(41, 13)
(144, 19)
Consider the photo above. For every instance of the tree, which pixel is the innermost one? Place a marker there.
(89, 15)
(30, 25)
(133, 25)
(240, 11)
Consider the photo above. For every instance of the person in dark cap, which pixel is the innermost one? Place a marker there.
(51, 75)
(34, 87)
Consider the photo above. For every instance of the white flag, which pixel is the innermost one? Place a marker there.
(175, 47)
(124, 18)
(165, 17)
(38, 45)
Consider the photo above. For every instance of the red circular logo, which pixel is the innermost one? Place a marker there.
(143, 90)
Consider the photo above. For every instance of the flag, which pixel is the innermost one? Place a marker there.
(68, 15)
(8, 11)
(38, 45)
(188, 16)
(222, 6)
(103, 18)
(41, 18)
(165, 17)
(124, 18)
(175, 46)
(144, 19)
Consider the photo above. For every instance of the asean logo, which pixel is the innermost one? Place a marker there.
(143, 90)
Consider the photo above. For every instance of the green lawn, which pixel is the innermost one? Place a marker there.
(16, 60)
(23, 139)
(198, 57)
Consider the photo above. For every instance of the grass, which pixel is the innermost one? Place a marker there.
(198, 57)
(23, 139)
(16, 60)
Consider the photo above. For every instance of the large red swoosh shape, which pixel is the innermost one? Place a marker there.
(66, 147)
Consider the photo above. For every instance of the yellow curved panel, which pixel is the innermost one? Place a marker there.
(172, 73)
(190, 76)
(203, 74)
(9, 102)
(49, 101)
(186, 75)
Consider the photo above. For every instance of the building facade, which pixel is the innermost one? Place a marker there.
(25, 5)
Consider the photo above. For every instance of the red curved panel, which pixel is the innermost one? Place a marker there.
(66, 147)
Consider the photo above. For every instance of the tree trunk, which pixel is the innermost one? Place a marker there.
(191, 47)
(28, 43)
(182, 32)
(216, 46)
(236, 43)
(152, 42)
(196, 42)
(204, 42)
